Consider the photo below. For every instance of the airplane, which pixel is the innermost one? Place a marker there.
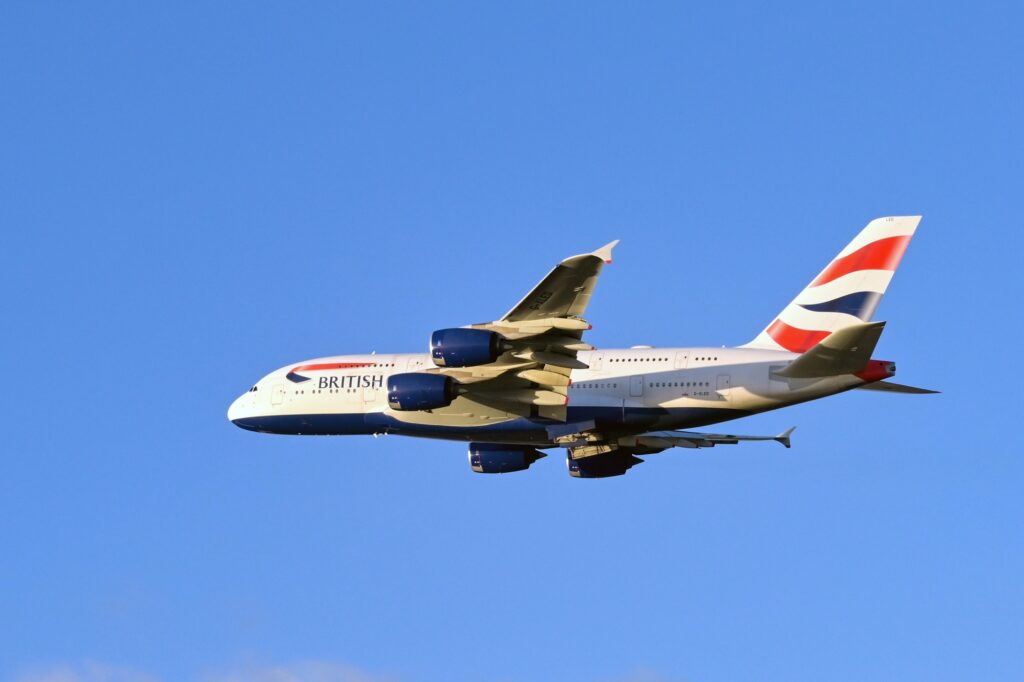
(527, 381)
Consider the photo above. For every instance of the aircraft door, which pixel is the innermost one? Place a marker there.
(724, 384)
(277, 395)
(681, 360)
(636, 385)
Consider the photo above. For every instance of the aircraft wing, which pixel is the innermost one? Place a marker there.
(655, 441)
(542, 335)
(566, 290)
(694, 439)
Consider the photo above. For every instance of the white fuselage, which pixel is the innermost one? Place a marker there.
(624, 391)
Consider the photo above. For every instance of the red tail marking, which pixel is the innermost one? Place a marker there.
(794, 339)
(885, 254)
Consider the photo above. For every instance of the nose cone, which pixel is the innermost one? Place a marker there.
(247, 411)
(239, 409)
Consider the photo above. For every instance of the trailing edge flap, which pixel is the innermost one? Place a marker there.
(890, 387)
(844, 351)
(558, 413)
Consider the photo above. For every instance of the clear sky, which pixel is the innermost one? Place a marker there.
(193, 194)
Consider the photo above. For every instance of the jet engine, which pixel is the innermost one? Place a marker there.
(420, 391)
(613, 463)
(465, 347)
(486, 458)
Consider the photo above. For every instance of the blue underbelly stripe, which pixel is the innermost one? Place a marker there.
(608, 419)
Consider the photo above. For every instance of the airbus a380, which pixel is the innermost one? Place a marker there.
(528, 381)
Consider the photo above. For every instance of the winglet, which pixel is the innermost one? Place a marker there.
(605, 252)
(784, 436)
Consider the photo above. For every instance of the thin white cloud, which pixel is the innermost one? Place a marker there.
(89, 671)
(645, 675)
(305, 671)
(302, 671)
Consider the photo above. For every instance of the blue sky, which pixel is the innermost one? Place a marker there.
(194, 194)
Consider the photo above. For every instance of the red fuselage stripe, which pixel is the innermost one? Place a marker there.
(332, 365)
(885, 254)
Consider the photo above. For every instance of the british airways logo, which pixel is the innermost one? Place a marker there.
(352, 381)
(348, 381)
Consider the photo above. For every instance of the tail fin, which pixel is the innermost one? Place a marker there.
(846, 292)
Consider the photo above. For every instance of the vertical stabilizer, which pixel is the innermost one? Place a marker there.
(846, 292)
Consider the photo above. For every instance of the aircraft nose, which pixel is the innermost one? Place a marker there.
(239, 408)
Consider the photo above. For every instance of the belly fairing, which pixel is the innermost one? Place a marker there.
(610, 421)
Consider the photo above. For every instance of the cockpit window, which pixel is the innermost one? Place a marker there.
(252, 389)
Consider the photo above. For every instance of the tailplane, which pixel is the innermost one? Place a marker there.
(846, 351)
(893, 387)
(844, 294)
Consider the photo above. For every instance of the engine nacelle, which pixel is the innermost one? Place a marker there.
(487, 458)
(465, 347)
(420, 391)
(601, 466)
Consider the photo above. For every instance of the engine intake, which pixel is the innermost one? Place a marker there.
(420, 391)
(485, 458)
(614, 463)
(465, 347)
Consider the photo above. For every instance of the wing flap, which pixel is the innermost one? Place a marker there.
(552, 359)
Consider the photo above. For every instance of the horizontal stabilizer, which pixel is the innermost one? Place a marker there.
(890, 387)
(844, 351)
